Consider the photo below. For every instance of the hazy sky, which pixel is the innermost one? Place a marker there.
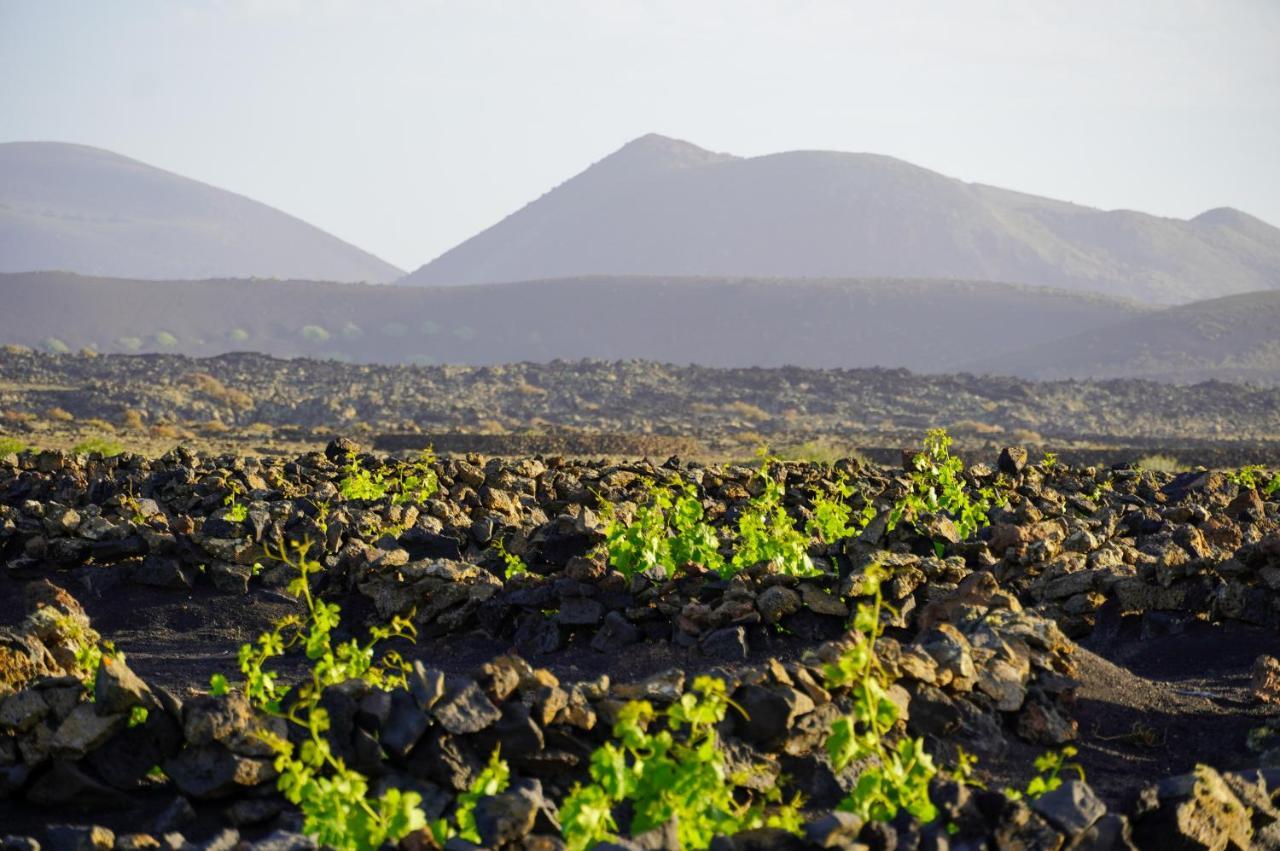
(405, 127)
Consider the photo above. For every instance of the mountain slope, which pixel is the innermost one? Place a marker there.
(82, 209)
(663, 207)
(927, 326)
(1236, 338)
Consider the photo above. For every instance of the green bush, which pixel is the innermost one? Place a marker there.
(165, 340)
(314, 333)
(129, 344)
(55, 346)
(666, 532)
(98, 446)
(937, 485)
(11, 445)
(766, 533)
(669, 765)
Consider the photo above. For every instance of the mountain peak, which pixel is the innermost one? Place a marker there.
(662, 206)
(655, 152)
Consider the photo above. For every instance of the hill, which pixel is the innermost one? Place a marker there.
(1236, 338)
(82, 209)
(927, 326)
(660, 206)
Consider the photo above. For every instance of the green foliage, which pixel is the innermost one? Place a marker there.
(1049, 461)
(514, 565)
(897, 777)
(334, 799)
(98, 446)
(1254, 477)
(129, 344)
(833, 518)
(314, 333)
(55, 346)
(937, 485)
(495, 778)
(766, 532)
(165, 340)
(413, 482)
(237, 511)
(138, 716)
(1049, 768)
(11, 445)
(668, 770)
(666, 532)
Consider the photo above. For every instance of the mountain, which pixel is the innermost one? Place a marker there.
(1236, 338)
(82, 209)
(660, 206)
(926, 326)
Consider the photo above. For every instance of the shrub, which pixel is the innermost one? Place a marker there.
(165, 340)
(662, 774)
(98, 446)
(131, 419)
(1160, 464)
(11, 446)
(61, 415)
(833, 519)
(413, 482)
(766, 532)
(1049, 768)
(129, 344)
(55, 346)
(937, 485)
(314, 333)
(666, 532)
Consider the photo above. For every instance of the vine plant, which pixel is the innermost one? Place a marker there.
(896, 778)
(334, 798)
(937, 485)
(674, 772)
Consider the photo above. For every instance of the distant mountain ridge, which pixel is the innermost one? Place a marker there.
(1234, 338)
(82, 209)
(660, 206)
(926, 326)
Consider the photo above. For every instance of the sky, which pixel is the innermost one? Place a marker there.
(406, 127)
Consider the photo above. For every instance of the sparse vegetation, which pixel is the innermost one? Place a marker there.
(667, 765)
(333, 797)
(896, 777)
(937, 485)
(1160, 464)
(98, 446)
(11, 445)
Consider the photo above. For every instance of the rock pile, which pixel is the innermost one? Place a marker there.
(979, 644)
